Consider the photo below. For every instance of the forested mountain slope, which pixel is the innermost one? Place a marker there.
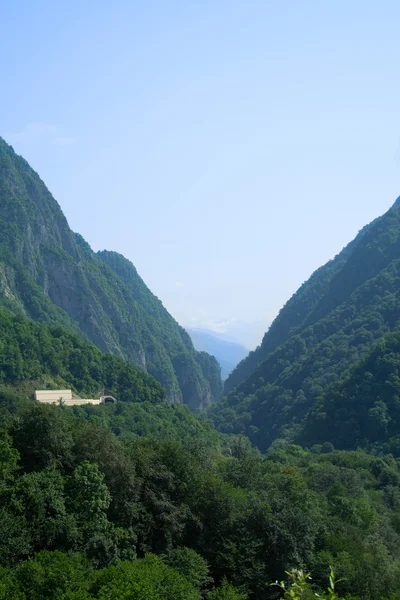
(362, 409)
(35, 355)
(294, 314)
(328, 325)
(53, 357)
(50, 274)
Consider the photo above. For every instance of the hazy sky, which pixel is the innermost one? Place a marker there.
(228, 148)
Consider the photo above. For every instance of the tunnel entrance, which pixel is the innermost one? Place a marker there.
(108, 400)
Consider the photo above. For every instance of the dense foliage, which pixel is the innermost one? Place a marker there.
(51, 275)
(329, 324)
(362, 409)
(155, 421)
(52, 356)
(209, 513)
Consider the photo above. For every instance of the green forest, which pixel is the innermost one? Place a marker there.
(88, 513)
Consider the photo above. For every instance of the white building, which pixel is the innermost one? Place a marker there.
(65, 397)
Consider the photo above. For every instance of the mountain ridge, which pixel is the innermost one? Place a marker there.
(50, 274)
(330, 323)
(310, 292)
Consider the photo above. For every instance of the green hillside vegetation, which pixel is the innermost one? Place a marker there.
(293, 316)
(50, 274)
(53, 356)
(142, 499)
(329, 324)
(162, 421)
(362, 409)
(69, 485)
(36, 356)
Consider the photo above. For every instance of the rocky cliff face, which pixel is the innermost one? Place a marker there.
(51, 274)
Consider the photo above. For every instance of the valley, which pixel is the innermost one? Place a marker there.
(187, 488)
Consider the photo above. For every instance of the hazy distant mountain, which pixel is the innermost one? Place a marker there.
(228, 353)
(247, 334)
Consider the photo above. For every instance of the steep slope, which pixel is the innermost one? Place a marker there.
(294, 314)
(48, 355)
(190, 366)
(228, 354)
(329, 324)
(362, 409)
(50, 274)
(36, 355)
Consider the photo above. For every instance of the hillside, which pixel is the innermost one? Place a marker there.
(329, 324)
(34, 355)
(362, 409)
(227, 353)
(53, 357)
(50, 274)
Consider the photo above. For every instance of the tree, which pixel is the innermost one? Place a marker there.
(39, 498)
(42, 435)
(9, 588)
(191, 565)
(51, 574)
(145, 579)
(89, 499)
(226, 592)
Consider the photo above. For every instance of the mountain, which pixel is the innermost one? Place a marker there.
(35, 355)
(50, 274)
(329, 324)
(227, 353)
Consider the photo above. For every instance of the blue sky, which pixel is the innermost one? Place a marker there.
(227, 148)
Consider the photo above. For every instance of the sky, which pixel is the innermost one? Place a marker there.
(227, 148)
